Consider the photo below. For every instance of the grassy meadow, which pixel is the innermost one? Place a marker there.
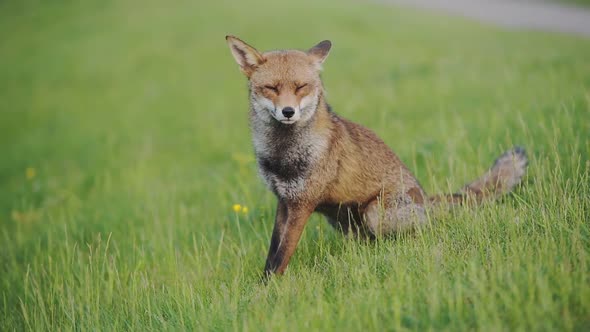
(125, 146)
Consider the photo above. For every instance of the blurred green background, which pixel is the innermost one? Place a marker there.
(125, 144)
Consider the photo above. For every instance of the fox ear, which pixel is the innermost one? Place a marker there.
(320, 51)
(246, 56)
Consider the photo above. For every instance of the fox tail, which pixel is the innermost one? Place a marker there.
(506, 172)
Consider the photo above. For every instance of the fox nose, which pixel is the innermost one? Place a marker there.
(288, 112)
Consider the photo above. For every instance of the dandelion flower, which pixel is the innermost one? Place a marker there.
(244, 209)
(25, 216)
(16, 216)
(237, 208)
(30, 173)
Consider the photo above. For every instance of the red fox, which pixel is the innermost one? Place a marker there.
(316, 161)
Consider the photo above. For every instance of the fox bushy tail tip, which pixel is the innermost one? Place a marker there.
(510, 167)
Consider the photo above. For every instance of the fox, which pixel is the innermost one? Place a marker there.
(314, 160)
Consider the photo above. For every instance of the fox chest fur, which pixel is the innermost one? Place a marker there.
(287, 156)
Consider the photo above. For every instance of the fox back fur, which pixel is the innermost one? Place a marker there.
(316, 161)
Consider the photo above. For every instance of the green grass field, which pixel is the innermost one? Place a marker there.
(575, 2)
(125, 144)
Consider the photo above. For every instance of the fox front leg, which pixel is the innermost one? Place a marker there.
(289, 223)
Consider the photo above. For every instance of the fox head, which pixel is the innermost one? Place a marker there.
(285, 85)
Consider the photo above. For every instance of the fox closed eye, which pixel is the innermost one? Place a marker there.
(272, 88)
(299, 87)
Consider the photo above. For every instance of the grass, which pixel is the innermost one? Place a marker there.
(582, 3)
(125, 143)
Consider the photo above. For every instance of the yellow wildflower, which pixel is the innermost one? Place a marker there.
(244, 209)
(30, 173)
(25, 216)
(236, 208)
(16, 216)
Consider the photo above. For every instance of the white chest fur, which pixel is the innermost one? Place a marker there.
(286, 157)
